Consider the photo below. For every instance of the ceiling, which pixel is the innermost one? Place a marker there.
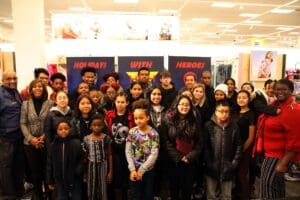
(200, 22)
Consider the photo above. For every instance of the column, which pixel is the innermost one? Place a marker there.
(29, 38)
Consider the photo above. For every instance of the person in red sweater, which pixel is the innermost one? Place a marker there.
(281, 141)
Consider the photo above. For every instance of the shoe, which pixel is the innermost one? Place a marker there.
(292, 177)
(28, 186)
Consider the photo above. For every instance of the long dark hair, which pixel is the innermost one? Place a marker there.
(173, 115)
(77, 111)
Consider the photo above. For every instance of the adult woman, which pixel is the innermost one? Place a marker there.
(232, 94)
(33, 115)
(182, 139)
(281, 141)
(200, 102)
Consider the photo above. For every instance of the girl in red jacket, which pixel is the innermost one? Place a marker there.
(119, 121)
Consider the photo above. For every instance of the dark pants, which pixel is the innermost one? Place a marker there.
(11, 170)
(242, 184)
(36, 159)
(73, 192)
(181, 181)
(143, 190)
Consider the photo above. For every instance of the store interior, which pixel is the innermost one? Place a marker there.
(38, 33)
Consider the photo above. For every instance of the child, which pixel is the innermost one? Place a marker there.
(142, 146)
(96, 97)
(167, 88)
(135, 93)
(182, 138)
(156, 110)
(222, 151)
(56, 114)
(110, 92)
(84, 109)
(157, 113)
(82, 88)
(98, 147)
(65, 164)
(119, 121)
(245, 119)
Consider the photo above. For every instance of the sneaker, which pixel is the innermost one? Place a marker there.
(28, 186)
(291, 177)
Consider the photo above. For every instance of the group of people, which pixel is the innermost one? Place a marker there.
(146, 141)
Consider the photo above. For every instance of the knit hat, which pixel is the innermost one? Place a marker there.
(222, 87)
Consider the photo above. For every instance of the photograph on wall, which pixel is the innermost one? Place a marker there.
(103, 65)
(129, 66)
(181, 65)
(263, 65)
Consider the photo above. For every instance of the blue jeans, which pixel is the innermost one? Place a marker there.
(69, 193)
(212, 191)
(144, 189)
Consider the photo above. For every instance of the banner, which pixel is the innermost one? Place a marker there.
(103, 65)
(179, 65)
(129, 66)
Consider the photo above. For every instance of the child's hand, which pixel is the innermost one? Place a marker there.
(133, 176)
(109, 177)
(51, 187)
(139, 176)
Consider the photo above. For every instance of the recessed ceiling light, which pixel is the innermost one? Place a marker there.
(126, 1)
(167, 11)
(79, 9)
(258, 35)
(293, 33)
(223, 4)
(200, 19)
(249, 15)
(224, 25)
(282, 11)
(284, 28)
(8, 21)
(230, 30)
(253, 22)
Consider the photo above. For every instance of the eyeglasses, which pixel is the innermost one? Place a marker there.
(184, 105)
(223, 111)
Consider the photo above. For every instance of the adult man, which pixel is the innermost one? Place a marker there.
(209, 90)
(11, 139)
(144, 79)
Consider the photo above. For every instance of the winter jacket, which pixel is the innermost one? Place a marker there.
(169, 134)
(260, 105)
(168, 96)
(65, 161)
(222, 150)
(156, 118)
(52, 120)
(32, 124)
(10, 107)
